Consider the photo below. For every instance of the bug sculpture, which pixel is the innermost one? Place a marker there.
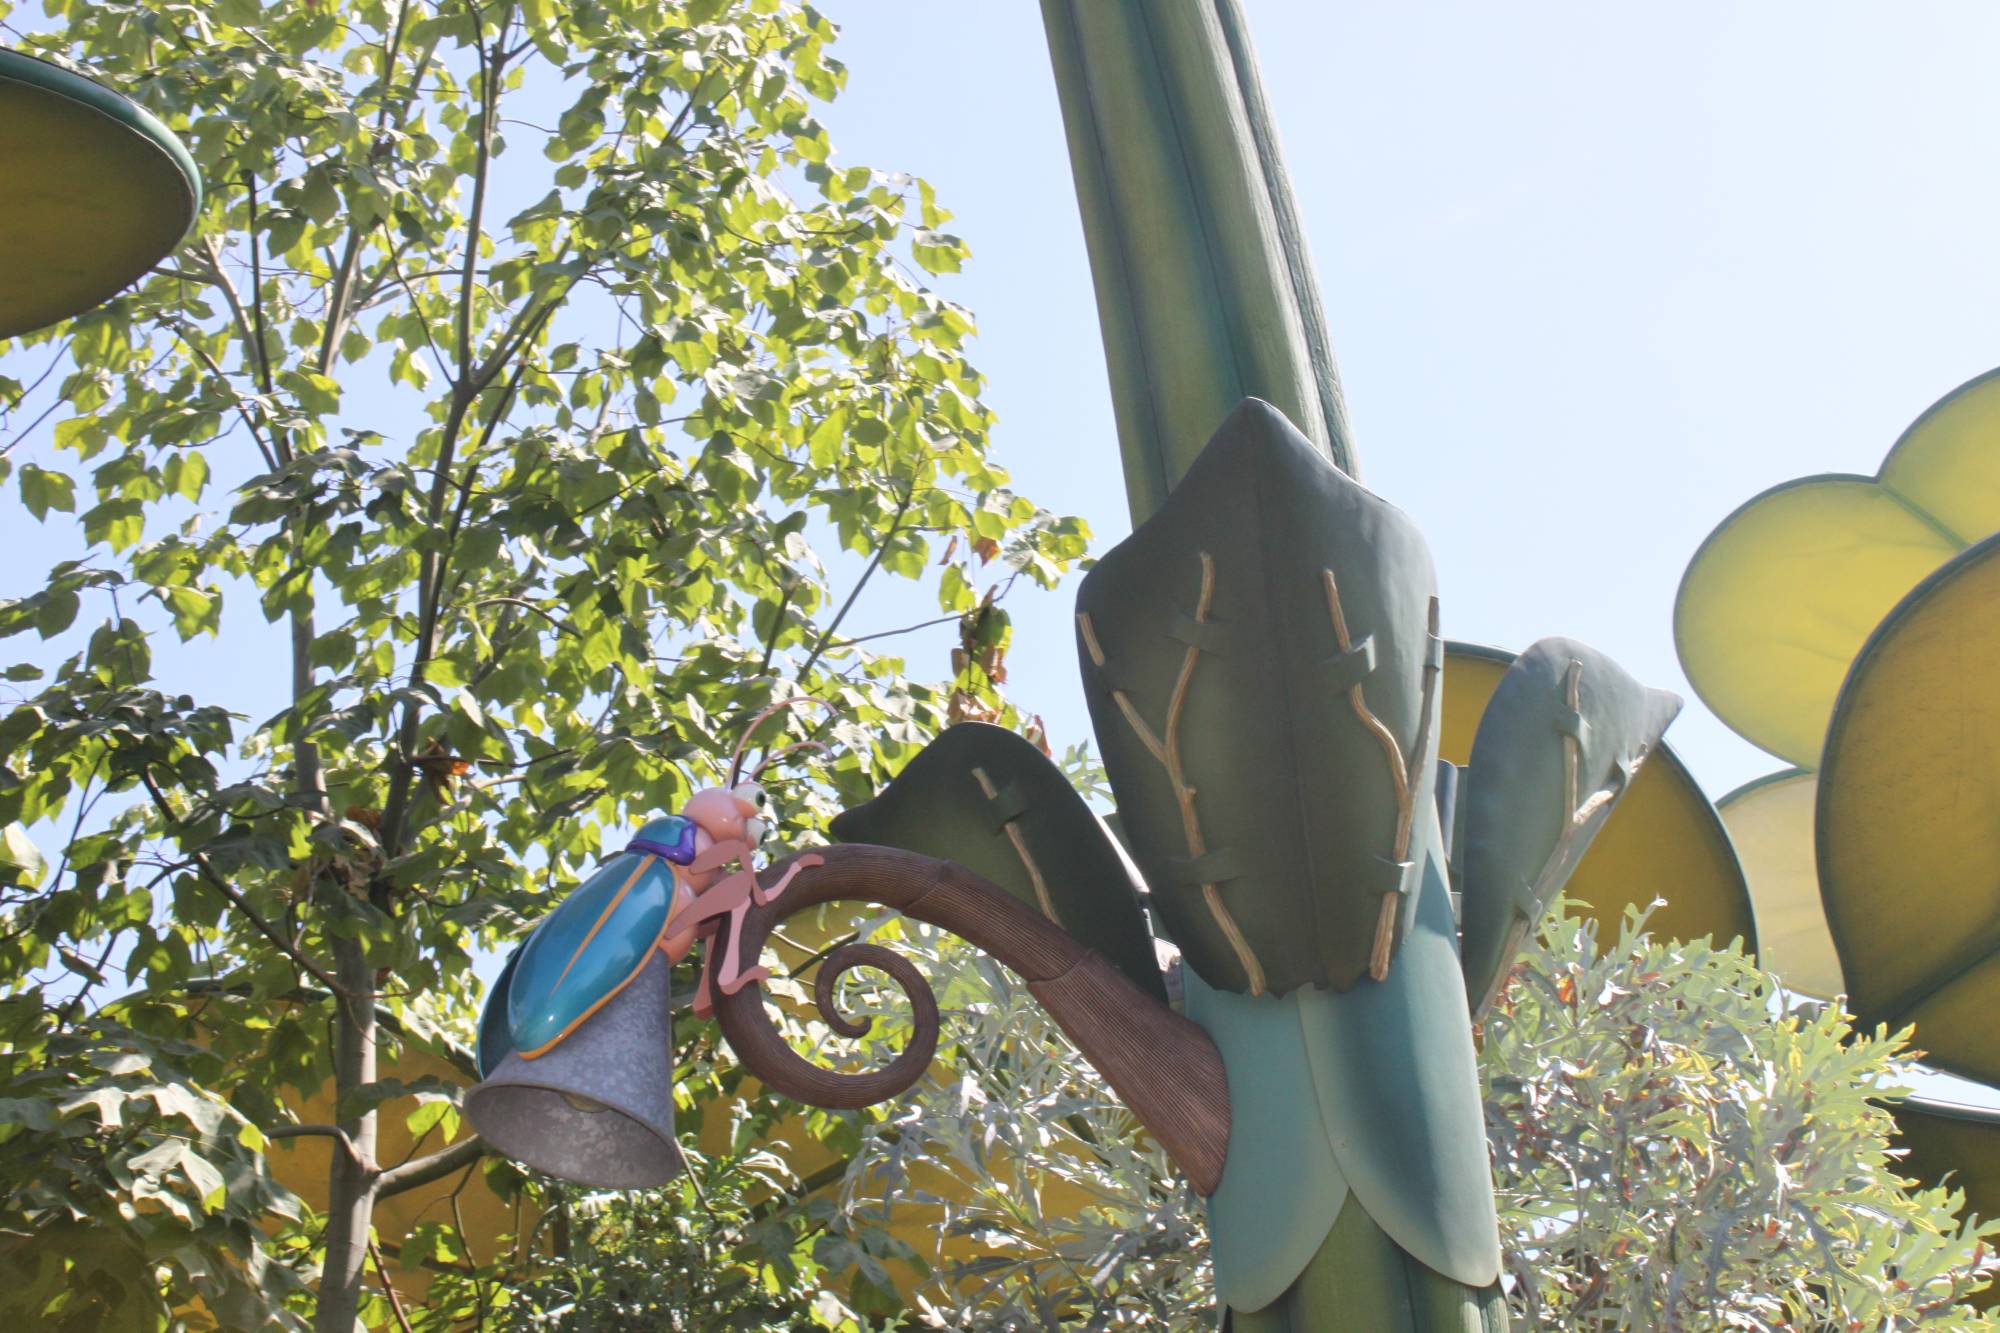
(683, 878)
(671, 885)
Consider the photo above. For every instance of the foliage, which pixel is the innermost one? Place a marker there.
(708, 1252)
(1676, 1152)
(1671, 1154)
(1073, 1218)
(129, 1182)
(524, 360)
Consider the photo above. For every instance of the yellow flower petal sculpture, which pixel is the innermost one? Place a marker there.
(1908, 822)
(1850, 624)
(96, 192)
(1778, 603)
(1770, 819)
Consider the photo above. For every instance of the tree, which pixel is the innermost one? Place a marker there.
(512, 465)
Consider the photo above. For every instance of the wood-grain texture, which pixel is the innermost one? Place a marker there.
(1163, 1066)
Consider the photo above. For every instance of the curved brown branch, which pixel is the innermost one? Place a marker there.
(1163, 1066)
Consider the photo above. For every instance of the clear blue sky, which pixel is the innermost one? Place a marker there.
(1596, 274)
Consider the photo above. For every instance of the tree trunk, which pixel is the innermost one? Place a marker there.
(351, 1181)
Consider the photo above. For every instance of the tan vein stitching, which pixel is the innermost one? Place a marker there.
(1400, 773)
(1020, 850)
(1385, 936)
(1168, 752)
(1146, 735)
(1090, 637)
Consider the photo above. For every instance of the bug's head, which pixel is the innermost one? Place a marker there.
(742, 811)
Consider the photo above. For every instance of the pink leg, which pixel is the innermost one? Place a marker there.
(734, 978)
(704, 999)
(764, 895)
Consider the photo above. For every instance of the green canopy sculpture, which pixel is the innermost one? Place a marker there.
(96, 192)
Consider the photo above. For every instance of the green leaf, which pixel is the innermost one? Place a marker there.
(937, 252)
(42, 491)
(186, 473)
(116, 523)
(19, 854)
(195, 611)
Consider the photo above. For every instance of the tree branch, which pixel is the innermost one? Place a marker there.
(777, 628)
(489, 79)
(235, 399)
(388, 1287)
(892, 633)
(257, 288)
(395, 266)
(881, 549)
(436, 1166)
(235, 896)
(241, 318)
(361, 1159)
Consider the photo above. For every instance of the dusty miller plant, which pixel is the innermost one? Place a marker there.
(1670, 1153)
(1059, 1213)
(1671, 1156)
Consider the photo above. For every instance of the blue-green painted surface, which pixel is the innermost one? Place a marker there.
(1371, 1093)
(558, 977)
(496, 1041)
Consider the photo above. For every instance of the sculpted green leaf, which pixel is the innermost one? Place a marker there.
(984, 797)
(1261, 661)
(1558, 745)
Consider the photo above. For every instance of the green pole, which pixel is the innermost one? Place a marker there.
(1204, 289)
(1206, 298)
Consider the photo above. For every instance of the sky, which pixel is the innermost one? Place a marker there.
(1596, 274)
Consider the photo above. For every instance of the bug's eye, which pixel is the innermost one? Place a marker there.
(763, 801)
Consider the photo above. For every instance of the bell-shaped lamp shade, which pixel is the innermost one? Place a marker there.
(598, 1109)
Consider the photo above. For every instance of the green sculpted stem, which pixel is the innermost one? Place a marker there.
(1204, 288)
(1316, 932)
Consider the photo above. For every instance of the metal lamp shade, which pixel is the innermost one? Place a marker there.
(599, 1108)
(96, 192)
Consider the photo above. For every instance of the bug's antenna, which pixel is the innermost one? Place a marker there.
(780, 753)
(736, 759)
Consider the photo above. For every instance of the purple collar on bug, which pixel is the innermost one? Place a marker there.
(680, 850)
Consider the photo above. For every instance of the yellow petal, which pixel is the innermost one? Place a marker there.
(1948, 462)
(1781, 596)
(1908, 819)
(1771, 823)
(1664, 840)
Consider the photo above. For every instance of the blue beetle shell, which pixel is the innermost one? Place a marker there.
(593, 944)
(495, 1040)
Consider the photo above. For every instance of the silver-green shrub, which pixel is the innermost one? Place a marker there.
(1675, 1150)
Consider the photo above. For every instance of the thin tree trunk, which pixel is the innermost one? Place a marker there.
(351, 1182)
